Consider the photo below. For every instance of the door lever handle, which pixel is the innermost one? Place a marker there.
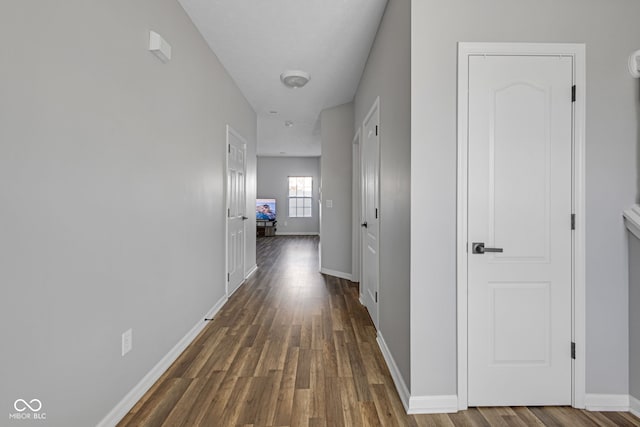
(478, 248)
(245, 218)
(364, 224)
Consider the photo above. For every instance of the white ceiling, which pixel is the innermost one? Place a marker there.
(256, 40)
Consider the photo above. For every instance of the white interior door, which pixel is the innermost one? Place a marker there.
(236, 207)
(519, 201)
(370, 221)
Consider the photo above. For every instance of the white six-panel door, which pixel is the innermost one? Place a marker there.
(236, 207)
(370, 225)
(520, 202)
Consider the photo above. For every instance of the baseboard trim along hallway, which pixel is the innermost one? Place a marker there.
(335, 273)
(251, 271)
(136, 393)
(445, 404)
(634, 406)
(607, 402)
(416, 404)
(401, 387)
(297, 233)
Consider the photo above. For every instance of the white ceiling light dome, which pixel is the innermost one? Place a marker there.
(295, 78)
(634, 64)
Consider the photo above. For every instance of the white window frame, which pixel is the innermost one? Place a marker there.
(299, 208)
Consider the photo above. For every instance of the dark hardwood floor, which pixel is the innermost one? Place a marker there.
(295, 348)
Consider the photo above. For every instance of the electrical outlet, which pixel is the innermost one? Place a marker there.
(285, 223)
(329, 203)
(127, 341)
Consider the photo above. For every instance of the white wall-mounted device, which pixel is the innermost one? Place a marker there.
(159, 46)
(634, 64)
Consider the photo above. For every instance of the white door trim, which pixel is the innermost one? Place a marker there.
(232, 131)
(577, 52)
(356, 261)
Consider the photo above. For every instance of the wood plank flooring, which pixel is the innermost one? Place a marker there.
(295, 348)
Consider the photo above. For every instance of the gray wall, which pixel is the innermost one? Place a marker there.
(634, 317)
(388, 75)
(111, 189)
(336, 134)
(611, 32)
(273, 174)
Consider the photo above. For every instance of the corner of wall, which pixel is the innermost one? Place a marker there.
(634, 406)
(336, 130)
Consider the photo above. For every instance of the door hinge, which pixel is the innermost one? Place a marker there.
(376, 130)
(573, 93)
(376, 213)
(230, 144)
(573, 221)
(228, 212)
(228, 277)
(376, 296)
(573, 350)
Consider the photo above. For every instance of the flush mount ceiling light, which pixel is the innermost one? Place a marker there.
(634, 64)
(294, 78)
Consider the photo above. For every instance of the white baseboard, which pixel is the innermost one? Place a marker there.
(136, 393)
(234, 291)
(335, 273)
(401, 387)
(634, 406)
(444, 404)
(297, 233)
(251, 271)
(607, 402)
(415, 404)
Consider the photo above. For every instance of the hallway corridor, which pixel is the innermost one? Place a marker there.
(295, 348)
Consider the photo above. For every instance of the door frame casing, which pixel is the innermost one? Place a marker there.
(577, 52)
(229, 131)
(356, 188)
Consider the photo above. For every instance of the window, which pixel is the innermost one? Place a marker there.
(300, 192)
